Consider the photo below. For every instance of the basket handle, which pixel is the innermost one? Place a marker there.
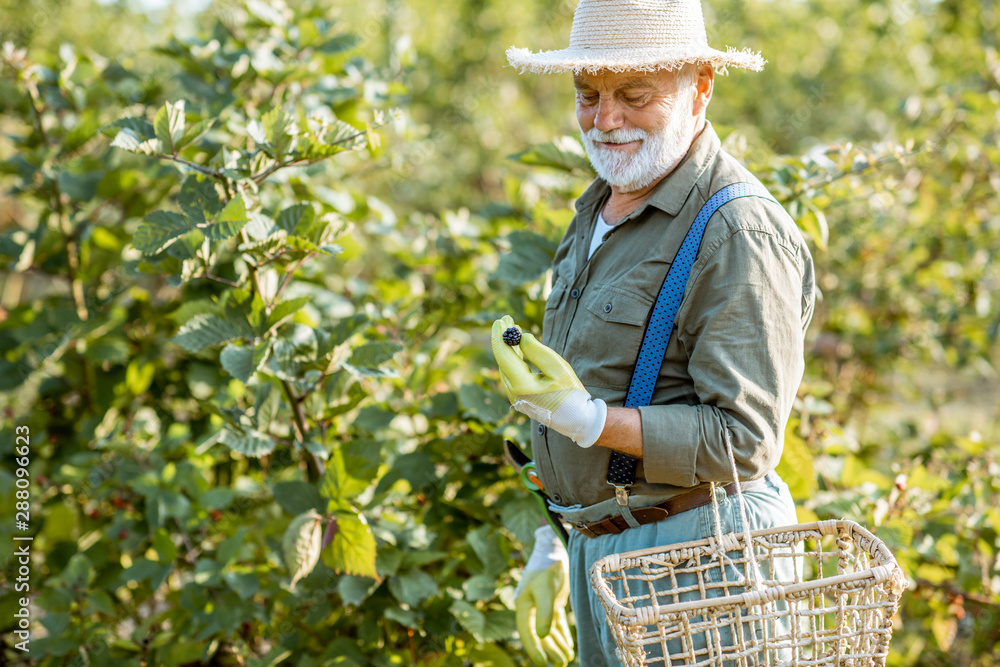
(756, 579)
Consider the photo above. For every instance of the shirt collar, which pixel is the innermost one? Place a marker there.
(669, 194)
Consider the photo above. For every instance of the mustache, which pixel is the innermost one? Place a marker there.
(620, 135)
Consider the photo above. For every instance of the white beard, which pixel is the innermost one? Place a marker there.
(659, 151)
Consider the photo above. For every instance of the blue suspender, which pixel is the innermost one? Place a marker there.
(622, 468)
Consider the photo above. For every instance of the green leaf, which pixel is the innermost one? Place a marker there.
(277, 125)
(261, 228)
(305, 245)
(165, 548)
(500, 626)
(100, 601)
(138, 127)
(362, 457)
(354, 590)
(482, 404)
(521, 517)
(353, 547)
(405, 617)
(814, 223)
(159, 230)
(295, 217)
(355, 395)
(199, 199)
(479, 587)
(252, 443)
(896, 533)
(339, 44)
(285, 309)
(245, 584)
(203, 331)
(237, 360)
(417, 468)
(944, 626)
(109, 349)
(229, 221)
(78, 573)
(796, 464)
(216, 498)
(169, 125)
(242, 361)
(10, 246)
(489, 655)
(337, 483)
(530, 257)
(329, 139)
(133, 134)
(143, 569)
(79, 187)
(469, 617)
(565, 154)
(267, 246)
(267, 13)
(301, 544)
(195, 131)
(245, 309)
(413, 587)
(230, 547)
(367, 358)
(296, 497)
(267, 402)
(485, 542)
(187, 271)
(342, 332)
(126, 645)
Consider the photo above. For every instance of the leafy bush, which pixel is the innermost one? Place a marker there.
(250, 341)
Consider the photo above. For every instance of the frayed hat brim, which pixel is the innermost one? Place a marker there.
(577, 60)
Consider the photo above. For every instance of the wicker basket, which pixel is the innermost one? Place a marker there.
(826, 595)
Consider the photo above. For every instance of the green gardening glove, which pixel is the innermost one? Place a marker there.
(540, 602)
(555, 397)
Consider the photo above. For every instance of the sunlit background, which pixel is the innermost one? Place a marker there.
(168, 469)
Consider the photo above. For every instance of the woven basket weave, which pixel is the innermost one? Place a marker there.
(829, 592)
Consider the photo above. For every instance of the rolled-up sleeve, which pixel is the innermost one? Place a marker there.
(741, 325)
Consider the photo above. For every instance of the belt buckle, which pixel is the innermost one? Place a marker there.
(585, 529)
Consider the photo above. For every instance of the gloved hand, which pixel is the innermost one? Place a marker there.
(540, 602)
(555, 397)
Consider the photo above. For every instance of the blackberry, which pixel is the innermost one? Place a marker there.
(512, 336)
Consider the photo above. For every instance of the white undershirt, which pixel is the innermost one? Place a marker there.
(600, 229)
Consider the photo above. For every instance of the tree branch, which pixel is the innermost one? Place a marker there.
(955, 591)
(72, 248)
(314, 467)
(193, 165)
(290, 272)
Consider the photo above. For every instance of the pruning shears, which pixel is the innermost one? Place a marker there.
(526, 469)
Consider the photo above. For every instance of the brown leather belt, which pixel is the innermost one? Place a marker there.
(682, 503)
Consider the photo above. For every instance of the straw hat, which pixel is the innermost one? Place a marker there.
(644, 35)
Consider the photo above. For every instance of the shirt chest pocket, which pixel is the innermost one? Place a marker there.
(611, 329)
(551, 308)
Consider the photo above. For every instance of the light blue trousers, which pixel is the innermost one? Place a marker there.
(768, 505)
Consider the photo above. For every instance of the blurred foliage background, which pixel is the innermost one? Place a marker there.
(250, 332)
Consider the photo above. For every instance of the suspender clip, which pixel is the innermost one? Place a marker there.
(621, 495)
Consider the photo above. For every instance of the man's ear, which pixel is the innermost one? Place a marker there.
(704, 79)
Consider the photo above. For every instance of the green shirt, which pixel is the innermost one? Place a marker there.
(735, 357)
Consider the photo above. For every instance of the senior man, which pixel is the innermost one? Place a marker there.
(644, 75)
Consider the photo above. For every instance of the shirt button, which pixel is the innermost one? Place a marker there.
(575, 294)
(541, 429)
(557, 498)
(607, 308)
